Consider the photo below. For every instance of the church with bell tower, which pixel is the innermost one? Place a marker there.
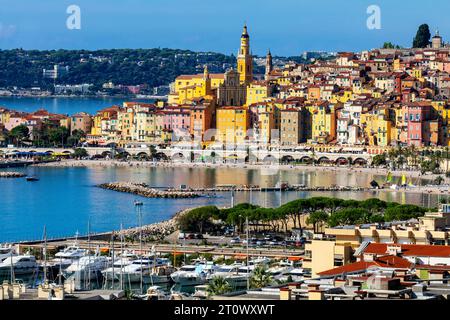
(245, 59)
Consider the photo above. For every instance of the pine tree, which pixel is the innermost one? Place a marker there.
(422, 38)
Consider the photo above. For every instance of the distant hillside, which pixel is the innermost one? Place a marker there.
(154, 67)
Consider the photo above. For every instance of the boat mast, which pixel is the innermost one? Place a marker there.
(13, 279)
(138, 206)
(45, 254)
(248, 266)
(121, 258)
(154, 264)
(89, 254)
(113, 253)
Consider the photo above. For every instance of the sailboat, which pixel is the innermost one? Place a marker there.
(403, 184)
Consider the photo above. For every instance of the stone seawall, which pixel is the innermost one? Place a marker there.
(9, 174)
(144, 190)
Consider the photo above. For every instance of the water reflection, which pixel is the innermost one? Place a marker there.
(65, 199)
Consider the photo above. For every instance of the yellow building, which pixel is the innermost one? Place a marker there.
(125, 120)
(101, 115)
(4, 116)
(265, 117)
(258, 92)
(323, 122)
(377, 127)
(245, 59)
(232, 124)
(189, 87)
(65, 122)
(145, 126)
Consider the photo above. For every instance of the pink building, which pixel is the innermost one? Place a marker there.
(176, 119)
(15, 119)
(416, 116)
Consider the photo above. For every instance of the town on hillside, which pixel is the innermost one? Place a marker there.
(380, 98)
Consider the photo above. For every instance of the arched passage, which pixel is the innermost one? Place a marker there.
(324, 160)
(142, 156)
(306, 160)
(341, 161)
(269, 159)
(287, 159)
(161, 156)
(178, 157)
(105, 154)
(360, 162)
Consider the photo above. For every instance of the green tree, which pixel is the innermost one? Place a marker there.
(403, 212)
(76, 137)
(390, 45)
(317, 219)
(198, 219)
(260, 278)
(439, 180)
(422, 38)
(218, 285)
(19, 133)
(379, 160)
(80, 153)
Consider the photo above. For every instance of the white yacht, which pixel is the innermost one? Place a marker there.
(6, 252)
(231, 274)
(279, 272)
(71, 252)
(189, 275)
(259, 261)
(87, 267)
(121, 262)
(296, 274)
(152, 271)
(21, 264)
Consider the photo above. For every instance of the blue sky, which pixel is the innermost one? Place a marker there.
(287, 27)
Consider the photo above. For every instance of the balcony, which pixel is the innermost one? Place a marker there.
(341, 232)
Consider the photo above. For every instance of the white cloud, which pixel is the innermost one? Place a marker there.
(6, 31)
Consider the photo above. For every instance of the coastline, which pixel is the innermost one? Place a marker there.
(430, 189)
(149, 164)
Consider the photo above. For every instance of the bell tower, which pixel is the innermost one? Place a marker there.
(245, 59)
(206, 87)
(269, 66)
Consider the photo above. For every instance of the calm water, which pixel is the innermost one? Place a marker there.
(65, 199)
(62, 105)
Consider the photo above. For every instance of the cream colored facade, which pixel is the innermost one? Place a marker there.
(324, 255)
(430, 229)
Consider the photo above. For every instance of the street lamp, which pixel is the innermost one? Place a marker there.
(138, 206)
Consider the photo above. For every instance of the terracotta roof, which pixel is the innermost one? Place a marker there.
(361, 266)
(200, 75)
(411, 250)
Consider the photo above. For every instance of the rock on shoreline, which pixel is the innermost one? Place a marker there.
(155, 231)
(142, 189)
(7, 174)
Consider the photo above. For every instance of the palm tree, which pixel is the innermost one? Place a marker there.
(261, 278)
(218, 285)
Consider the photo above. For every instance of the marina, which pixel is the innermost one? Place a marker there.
(107, 210)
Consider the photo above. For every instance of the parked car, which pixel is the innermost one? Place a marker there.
(260, 242)
(235, 240)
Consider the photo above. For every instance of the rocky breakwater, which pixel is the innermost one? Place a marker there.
(153, 232)
(144, 190)
(12, 175)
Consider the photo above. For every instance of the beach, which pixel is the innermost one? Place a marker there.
(136, 163)
(444, 188)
